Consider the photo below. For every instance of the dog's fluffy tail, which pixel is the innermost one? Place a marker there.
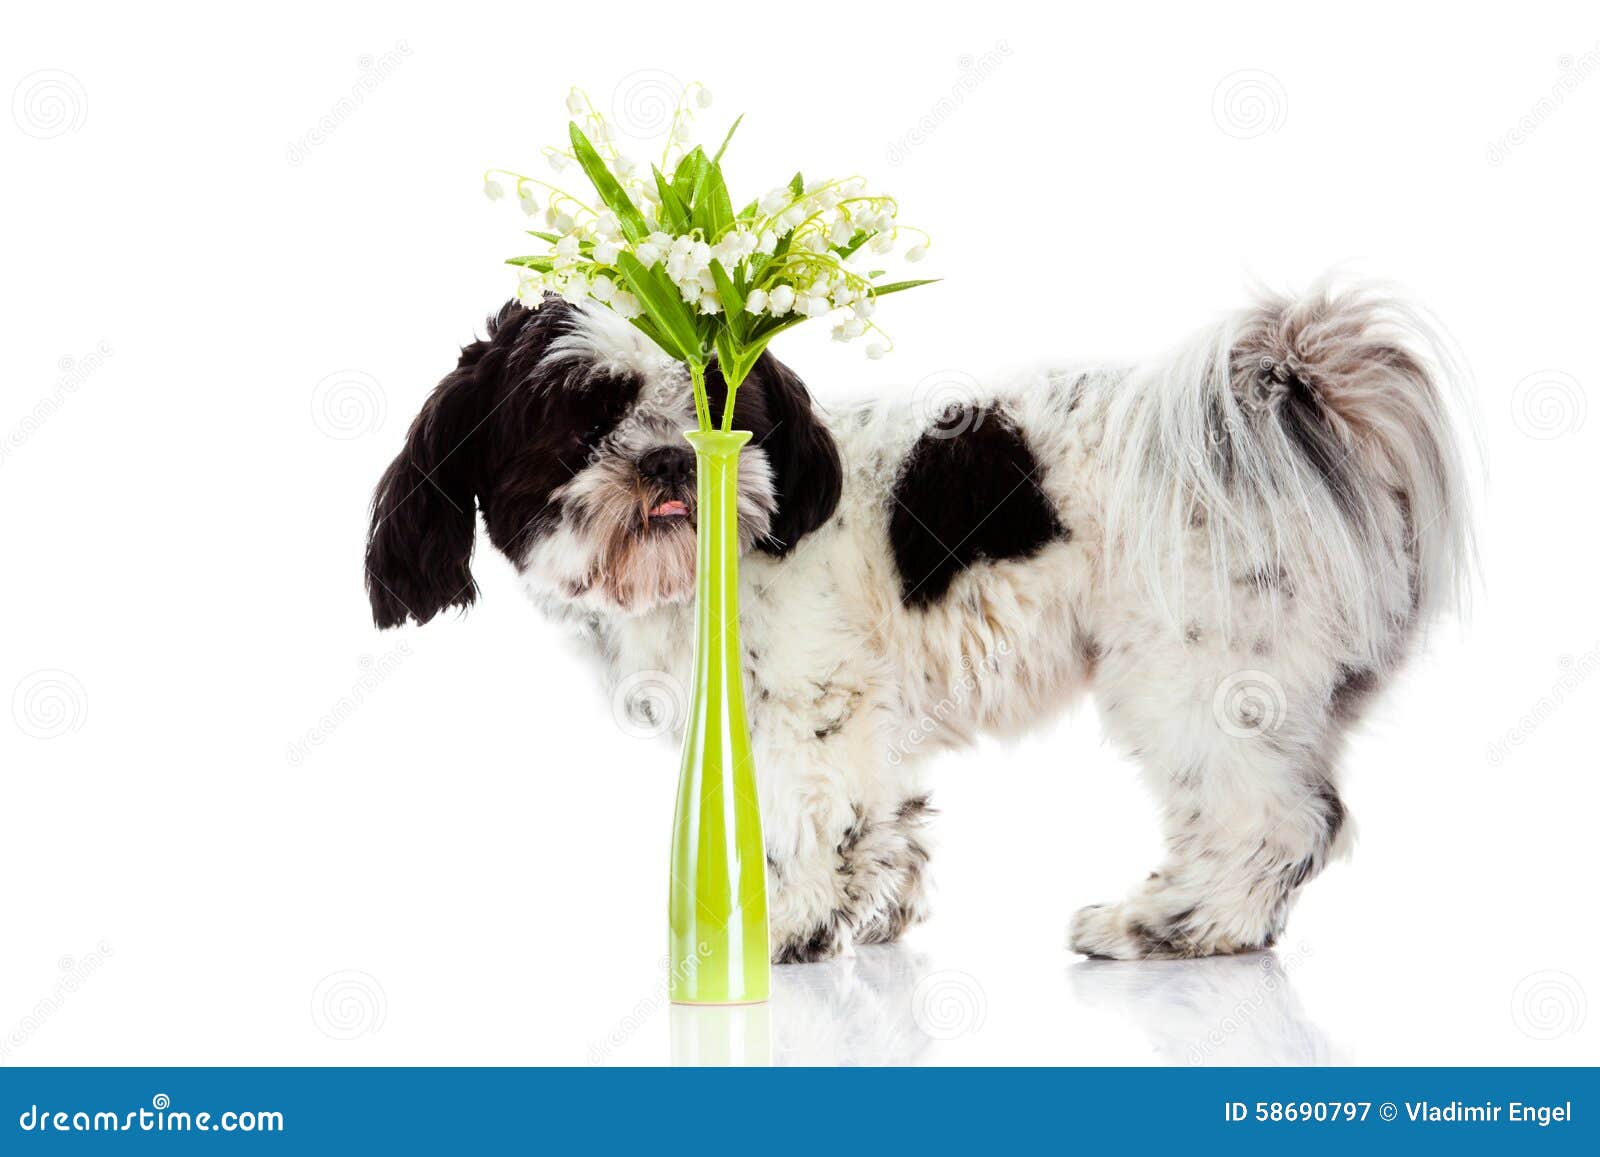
(1306, 436)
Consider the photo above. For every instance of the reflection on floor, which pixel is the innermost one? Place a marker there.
(888, 1006)
(1227, 1010)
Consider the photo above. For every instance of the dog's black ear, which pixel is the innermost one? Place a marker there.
(805, 460)
(424, 517)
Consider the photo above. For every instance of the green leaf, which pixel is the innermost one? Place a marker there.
(797, 185)
(538, 264)
(897, 286)
(665, 308)
(550, 237)
(713, 211)
(723, 147)
(732, 303)
(857, 240)
(612, 193)
(686, 177)
(675, 210)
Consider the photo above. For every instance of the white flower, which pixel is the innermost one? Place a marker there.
(791, 218)
(606, 224)
(625, 304)
(774, 202)
(916, 253)
(843, 295)
(709, 303)
(529, 205)
(781, 300)
(574, 102)
(853, 328)
(703, 97)
(567, 250)
(558, 161)
(866, 306)
(652, 249)
(574, 289)
(492, 189)
(756, 302)
(602, 288)
(767, 243)
(606, 252)
(876, 350)
(882, 243)
(563, 222)
(624, 166)
(530, 290)
(681, 132)
(841, 232)
(690, 291)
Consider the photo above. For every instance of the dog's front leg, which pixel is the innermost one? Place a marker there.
(846, 863)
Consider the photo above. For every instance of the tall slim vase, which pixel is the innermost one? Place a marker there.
(718, 906)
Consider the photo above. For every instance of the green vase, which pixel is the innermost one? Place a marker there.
(718, 906)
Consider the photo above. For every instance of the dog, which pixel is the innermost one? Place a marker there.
(1231, 547)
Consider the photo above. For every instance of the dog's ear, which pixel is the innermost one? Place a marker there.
(424, 516)
(805, 460)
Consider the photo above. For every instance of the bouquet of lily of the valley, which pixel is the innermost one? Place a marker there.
(666, 249)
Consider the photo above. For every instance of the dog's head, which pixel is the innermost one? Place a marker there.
(565, 428)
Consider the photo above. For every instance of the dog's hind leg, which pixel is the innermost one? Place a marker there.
(1240, 757)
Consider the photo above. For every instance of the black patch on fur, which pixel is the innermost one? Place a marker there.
(966, 498)
(1354, 688)
(1300, 412)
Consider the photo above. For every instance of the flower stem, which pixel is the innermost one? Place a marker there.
(702, 404)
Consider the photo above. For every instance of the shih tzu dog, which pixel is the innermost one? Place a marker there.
(1230, 547)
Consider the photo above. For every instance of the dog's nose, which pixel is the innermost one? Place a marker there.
(667, 465)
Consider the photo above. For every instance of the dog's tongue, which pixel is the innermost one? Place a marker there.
(670, 509)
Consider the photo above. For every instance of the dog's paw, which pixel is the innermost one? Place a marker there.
(1121, 932)
(829, 939)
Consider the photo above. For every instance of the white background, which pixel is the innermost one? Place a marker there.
(212, 352)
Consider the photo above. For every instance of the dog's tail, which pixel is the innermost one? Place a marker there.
(1308, 436)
